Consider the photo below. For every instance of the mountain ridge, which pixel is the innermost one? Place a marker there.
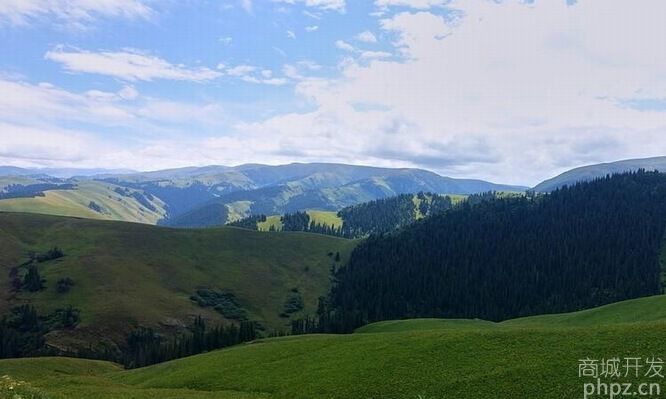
(216, 194)
(593, 171)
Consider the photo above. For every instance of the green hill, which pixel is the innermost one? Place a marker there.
(501, 258)
(507, 360)
(322, 217)
(89, 199)
(641, 310)
(126, 274)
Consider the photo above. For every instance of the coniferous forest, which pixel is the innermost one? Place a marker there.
(388, 214)
(373, 217)
(581, 246)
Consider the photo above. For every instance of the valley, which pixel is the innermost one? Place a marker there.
(423, 296)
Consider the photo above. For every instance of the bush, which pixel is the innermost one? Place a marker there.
(294, 303)
(224, 302)
(95, 207)
(33, 280)
(68, 317)
(51, 254)
(64, 285)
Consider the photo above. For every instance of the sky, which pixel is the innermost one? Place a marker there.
(507, 91)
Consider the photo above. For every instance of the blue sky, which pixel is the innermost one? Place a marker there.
(510, 91)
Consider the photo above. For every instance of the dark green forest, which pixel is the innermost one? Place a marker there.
(581, 246)
(388, 214)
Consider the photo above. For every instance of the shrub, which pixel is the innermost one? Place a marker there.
(64, 285)
(294, 303)
(33, 280)
(223, 302)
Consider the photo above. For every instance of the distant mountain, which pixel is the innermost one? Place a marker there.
(15, 171)
(59, 172)
(375, 217)
(213, 195)
(78, 172)
(328, 187)
(591, 172)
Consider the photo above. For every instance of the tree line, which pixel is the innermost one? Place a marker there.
(145, 347)
(374, 217)
(23, 334)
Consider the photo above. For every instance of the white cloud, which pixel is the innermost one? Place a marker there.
(30, 116)
(334, 5)
(367, 37)
(364, 54)
(241, 70)
(311, 28)
(73, 12)
(253, 74)
(128, 93)
(507, 91)
(291, 34)
(416, 4)
(128, 65)
(375, 54)
(479, 96)
(227, 40)
(342, 45)
(32, 146)
(313, 15)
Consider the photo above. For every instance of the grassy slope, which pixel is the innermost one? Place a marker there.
(128, 273)
(75, 203)
(515, 359)
(662, 262)
(273, 220)
(641, 310)
(424, 324)
(324, 217)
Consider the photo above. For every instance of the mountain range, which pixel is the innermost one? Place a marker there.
(214, 195)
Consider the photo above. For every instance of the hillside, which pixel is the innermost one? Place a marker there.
(642, 310)
(87, 199)
(472, 361)
(591, 172)
(328, 194)
(502, 258)
(360, 220)
(125, 275)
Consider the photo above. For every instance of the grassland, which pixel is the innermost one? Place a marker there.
(420, 359)
(128, 274)
(271, 221)
(641, 310)
(321, 217)
(76, 203)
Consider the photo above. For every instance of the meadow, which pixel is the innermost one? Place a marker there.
(406, 359)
